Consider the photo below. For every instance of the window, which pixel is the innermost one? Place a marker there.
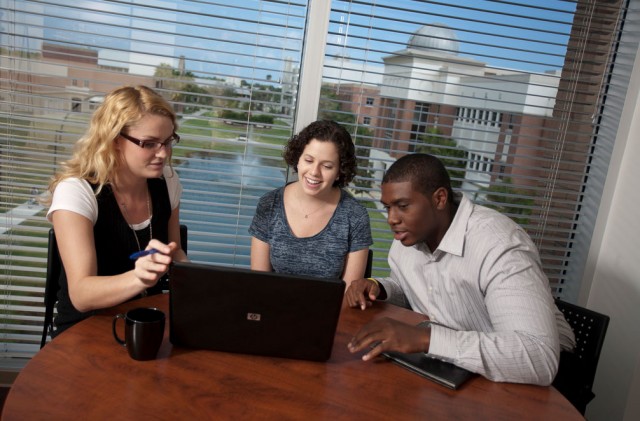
(76, 105)
(402, 75)
(225, 81)
(479, 63)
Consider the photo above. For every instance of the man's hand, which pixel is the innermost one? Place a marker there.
(361, 293)
(390, 335)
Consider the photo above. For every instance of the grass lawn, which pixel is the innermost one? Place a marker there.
(214, 136)
(382, 238)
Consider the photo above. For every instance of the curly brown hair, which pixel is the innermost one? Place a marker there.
(325, 131)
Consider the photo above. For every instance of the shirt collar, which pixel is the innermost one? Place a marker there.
(453, 240)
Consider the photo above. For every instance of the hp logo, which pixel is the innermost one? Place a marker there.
(254, 317)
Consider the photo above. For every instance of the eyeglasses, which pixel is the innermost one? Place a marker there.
(153, 146)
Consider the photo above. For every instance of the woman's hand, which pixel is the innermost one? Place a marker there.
(150, 268)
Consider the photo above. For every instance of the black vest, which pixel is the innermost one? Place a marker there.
(115, 242)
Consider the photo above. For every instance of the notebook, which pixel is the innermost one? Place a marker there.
(435, 369)
(262, 313)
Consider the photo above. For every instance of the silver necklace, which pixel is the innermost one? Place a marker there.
(306, 215)
(126, 214)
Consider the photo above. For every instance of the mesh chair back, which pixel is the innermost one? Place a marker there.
(577, 370)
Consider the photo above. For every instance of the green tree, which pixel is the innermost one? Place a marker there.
(262, 118)
(453, 157)
(331, 108)
(176, 87)
(226, 99)
(237, 116)
(193, 96)
(510, 200)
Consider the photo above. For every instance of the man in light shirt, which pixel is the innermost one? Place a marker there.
(473, 271)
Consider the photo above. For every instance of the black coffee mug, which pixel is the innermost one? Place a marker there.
(143, 332)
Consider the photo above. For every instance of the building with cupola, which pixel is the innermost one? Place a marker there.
(428, 90)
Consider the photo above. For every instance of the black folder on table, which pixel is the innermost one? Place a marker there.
(433, 368)
(263, 313)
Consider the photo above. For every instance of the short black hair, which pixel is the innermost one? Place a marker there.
(325, 131)
(425, 172)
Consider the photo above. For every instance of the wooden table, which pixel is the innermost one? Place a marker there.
(85, 374)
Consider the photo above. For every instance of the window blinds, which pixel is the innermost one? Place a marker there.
(512, 95)
(520, 99)
(231, 72)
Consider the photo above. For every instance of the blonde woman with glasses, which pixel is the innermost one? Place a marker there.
(116, 197)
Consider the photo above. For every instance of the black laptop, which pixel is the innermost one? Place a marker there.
(435, 369)
(262, 313)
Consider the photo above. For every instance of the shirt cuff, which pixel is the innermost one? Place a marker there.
(443, 342)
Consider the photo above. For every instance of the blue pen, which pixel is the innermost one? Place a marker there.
(139, 254)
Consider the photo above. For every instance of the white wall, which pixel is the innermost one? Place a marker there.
(612, 279)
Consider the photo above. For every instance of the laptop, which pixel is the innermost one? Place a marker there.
(435, 369)
(262, 313)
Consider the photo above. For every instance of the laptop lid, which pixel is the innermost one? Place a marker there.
(262, 313)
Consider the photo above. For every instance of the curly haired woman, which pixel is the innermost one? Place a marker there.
(313, 226)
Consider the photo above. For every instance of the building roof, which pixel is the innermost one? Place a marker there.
(436, 37)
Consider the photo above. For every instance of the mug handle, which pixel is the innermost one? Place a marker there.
(115, 334)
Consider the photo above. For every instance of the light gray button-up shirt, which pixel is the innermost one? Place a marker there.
(485, 283)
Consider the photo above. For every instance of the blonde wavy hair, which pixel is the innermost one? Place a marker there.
(95, 157)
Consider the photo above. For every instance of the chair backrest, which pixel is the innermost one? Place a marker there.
(54, 267)
(577, 369)
(184, 232)
(52, 286)
(367, 270)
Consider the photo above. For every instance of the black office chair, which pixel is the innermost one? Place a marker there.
(367, 270)
(54, 268)
(577, 370)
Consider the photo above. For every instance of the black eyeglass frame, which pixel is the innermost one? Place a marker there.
(170, 143)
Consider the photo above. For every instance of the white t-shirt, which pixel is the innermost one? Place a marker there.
(76, 195)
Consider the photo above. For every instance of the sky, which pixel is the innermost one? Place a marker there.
(250, 39)
(482, 29)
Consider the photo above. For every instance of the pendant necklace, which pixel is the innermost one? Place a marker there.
(306, 215)
(126, 214)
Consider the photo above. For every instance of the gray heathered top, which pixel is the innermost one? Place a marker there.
(322, 255)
